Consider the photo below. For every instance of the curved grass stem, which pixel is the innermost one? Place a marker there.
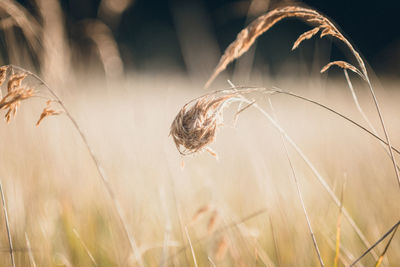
(316, 173)
(99, 168)
(321, 262)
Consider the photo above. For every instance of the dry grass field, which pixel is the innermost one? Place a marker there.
(52, 187)
(115, 191)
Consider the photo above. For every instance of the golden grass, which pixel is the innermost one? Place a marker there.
(248, 35)
(58, 190)
(151, 205)
(243, 42)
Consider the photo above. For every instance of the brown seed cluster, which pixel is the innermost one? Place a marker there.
(343, 65)
(248, 35)
(195, 126)
(47, 111)
(17, 92)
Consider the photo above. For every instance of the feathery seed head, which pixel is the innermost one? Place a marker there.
(196, 124)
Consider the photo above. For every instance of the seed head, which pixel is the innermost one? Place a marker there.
(196, 124)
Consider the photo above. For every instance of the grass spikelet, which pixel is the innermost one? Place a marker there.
(236, 94)
(221, 249)
(305, 36)
(13, 99)
(343, 65)
(3, 74)
(15, 81)
(16, 92)
(195, 126)
(248, 35)
(47, 111)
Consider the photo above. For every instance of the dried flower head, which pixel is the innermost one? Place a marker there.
(196, 124)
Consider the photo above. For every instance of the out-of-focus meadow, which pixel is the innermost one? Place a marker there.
(240, 209)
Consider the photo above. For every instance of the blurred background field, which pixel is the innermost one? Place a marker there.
(124, 78)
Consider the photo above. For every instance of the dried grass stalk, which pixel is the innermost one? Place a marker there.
(391, 230)
(341, 64)
(15, 81)
(299, 192)
(47, 111)
(338, 230)
(10, 243)
(30, 254)
(305, 36)
(195, 126)
(380, 259)
(248, 35)
(236, 94)
(191, 247)
(13, 99)
(16, 93)
(3, 74)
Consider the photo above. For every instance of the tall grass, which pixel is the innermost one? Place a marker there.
(246, 209)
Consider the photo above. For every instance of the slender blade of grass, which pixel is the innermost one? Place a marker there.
(321, 262)
(7, 226)
(338, 229)
(394, 228)
(378, 263)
